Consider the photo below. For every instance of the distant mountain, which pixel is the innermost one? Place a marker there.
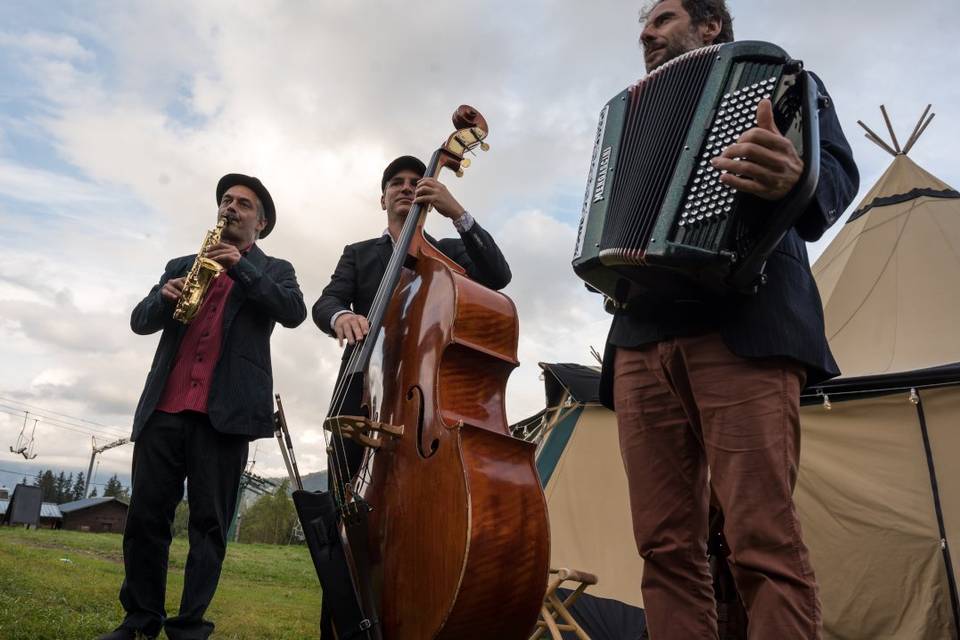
(316, 481)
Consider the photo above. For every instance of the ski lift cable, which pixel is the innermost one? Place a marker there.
(61, 418)
(57, 413)
(54, 423)
(16, 411)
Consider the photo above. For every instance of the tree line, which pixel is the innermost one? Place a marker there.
(271, 519)
(63, 487)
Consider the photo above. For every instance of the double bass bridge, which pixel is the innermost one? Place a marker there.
(362, 430)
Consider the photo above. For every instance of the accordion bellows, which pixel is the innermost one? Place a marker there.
(656, 219)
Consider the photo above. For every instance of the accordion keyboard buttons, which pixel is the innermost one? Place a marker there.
(708, 199)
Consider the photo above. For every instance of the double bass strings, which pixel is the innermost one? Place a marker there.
(341, 470)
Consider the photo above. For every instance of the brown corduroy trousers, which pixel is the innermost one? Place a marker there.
(686, 405)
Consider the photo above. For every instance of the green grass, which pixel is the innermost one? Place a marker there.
(63, 585)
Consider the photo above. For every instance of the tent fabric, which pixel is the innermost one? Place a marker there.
(848, 388)
(866, 506)
(604, 618)
(582, 382)
(588, 502)
(903, 197)
(902, 178)
(864, 495)
(941, 408)
(887, 305)
(549, 455)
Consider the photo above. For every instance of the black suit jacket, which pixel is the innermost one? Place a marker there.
(354, 282)
(265, 292)
(785, 317)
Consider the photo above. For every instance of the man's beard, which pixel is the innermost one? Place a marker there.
(678, 47)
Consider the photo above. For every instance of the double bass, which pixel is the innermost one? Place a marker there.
(444, 526)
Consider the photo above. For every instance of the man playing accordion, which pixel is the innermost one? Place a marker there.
(707, 395)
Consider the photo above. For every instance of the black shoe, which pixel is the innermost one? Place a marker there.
(125, 633)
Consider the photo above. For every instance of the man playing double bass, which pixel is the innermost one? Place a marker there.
(345, 302)
(342, 308)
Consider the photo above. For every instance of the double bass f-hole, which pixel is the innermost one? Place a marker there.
(425, 449)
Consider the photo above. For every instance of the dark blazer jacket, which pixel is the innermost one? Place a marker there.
(265, 292)
(355, 280)
(785, 317)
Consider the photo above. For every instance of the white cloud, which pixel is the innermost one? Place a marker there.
(125, 116)
(40, 44)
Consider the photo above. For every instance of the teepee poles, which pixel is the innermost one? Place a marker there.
(918, 131)
(893, 136)
(895, 150)
(875, 139)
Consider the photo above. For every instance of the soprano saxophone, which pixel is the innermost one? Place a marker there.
(203, 272)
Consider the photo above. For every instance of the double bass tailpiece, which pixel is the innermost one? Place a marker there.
(359, 429)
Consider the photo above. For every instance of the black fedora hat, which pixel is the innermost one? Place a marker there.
(400, 164)
(233, 179)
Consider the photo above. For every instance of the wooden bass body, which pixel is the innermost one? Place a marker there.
(458, 534)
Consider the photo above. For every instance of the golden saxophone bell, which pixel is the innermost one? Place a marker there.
(203, 272)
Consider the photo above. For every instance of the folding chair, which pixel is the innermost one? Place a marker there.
(554, 613)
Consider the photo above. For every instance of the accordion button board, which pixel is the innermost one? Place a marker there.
(656, 218)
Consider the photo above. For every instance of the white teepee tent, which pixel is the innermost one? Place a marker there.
(889, 279)
(879, 487)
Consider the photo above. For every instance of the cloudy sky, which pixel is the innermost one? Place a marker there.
(117, 119)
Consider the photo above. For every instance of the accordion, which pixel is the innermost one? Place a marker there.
(656, 218)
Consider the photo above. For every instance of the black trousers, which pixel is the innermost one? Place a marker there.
(173, 448)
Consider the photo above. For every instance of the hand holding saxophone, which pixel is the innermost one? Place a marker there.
(171, 289)
(226, 255)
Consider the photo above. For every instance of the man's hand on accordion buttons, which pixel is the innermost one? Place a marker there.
(171, 289)
(762, 161)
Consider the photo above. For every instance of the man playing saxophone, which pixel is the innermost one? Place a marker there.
(208, 393)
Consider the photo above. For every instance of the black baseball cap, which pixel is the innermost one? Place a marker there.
(400, 164)
(233, 179)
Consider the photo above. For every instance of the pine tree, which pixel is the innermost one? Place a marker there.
(59, 488)
(78, 487)
(115, 489)
(93, 494)
(48, 486)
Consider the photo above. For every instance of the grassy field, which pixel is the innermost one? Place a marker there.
(62, 585)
